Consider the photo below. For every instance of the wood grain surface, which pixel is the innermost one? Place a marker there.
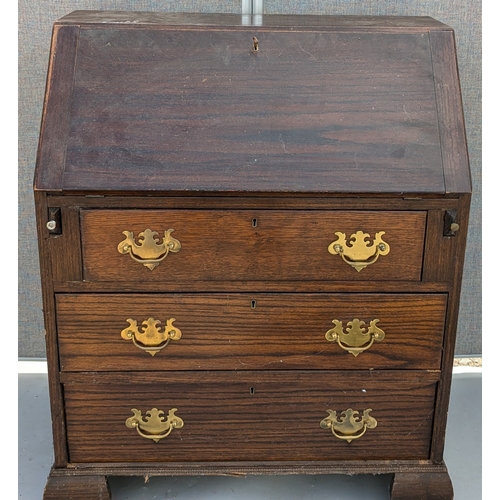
(203, 21)
(77, 488)
(225, 245)
(311, 111)
(430, 485)
(56, 115)
(231, 416)
(250, 331)
(450, 112)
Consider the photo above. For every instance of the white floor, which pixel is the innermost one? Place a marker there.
(463, 455)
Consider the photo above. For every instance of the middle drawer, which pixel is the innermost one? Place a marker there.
(113, 332)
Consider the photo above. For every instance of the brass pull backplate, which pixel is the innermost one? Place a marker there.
(357, 251)
(154, 425)
(149, 338)
(349, 425)
(358, 338)
(148, 251)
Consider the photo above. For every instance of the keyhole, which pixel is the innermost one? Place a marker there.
(253, 304)
(255, 44)
(252, 391)
(254, 222)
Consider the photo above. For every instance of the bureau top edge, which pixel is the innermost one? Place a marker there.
(223, 194)
(290, 21)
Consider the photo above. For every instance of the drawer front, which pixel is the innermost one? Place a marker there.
(276, 245)
(250, 331)
(249, 416)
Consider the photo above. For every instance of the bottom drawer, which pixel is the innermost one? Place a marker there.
(249, 416)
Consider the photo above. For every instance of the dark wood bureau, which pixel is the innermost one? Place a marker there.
(251, 243)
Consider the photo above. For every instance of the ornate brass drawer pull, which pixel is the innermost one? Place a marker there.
(350, 426)
(357, 252)
(148, 251)
(154, 426)
(149, 338)
(358, 338)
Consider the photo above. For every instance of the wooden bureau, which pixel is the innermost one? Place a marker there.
(251, 244)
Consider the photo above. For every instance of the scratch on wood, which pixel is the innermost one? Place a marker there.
(420, 424)
(283, 144)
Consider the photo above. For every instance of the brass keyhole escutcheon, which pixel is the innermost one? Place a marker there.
(255, 46)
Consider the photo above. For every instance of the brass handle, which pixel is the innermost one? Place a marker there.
(150, 338)
(349, 426)
(154, 426)
(356, 251)
(358, 338)
(148, 251)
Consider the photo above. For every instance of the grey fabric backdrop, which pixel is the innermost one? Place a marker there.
(35, 24)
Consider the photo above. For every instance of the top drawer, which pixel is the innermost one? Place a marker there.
(255, 245)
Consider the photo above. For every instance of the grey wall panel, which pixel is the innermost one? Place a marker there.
(35, 24)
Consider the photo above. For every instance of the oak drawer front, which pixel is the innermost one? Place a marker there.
(248, 416)
(250, 331)
(254, 245)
